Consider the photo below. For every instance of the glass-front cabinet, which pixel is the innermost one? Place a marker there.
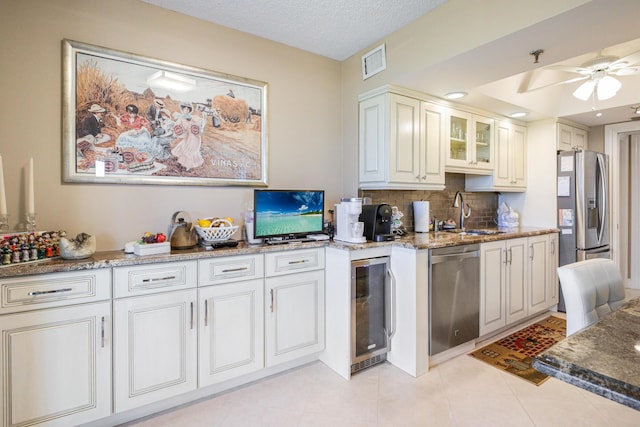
(470, 143)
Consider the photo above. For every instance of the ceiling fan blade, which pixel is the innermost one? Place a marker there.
(569, 68)
(627, 70)
(633, 58)
(575, 79)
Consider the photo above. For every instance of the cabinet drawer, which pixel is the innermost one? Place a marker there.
(153, 278)
(230, 269)
(54, 290)
(280, 263)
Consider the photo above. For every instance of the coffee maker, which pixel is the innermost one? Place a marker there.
(349, 227)
(377, 222)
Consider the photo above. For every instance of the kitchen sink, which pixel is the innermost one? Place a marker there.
(475, 232)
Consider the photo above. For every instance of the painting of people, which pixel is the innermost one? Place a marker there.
(130, 119)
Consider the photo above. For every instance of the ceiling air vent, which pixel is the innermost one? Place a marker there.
(373, 62)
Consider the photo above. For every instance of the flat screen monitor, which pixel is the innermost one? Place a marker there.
(287, 214)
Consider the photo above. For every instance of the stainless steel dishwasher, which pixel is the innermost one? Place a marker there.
(454, 296)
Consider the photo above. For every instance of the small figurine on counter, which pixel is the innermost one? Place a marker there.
(83, 246)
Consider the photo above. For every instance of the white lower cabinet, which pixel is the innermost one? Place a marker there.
(231, 330)
(502, 283)
(155, 333)
(294, 305)
(56, 365)
(538, 253)
(554, 261)
(543, 276)
(516, 280)
(155, 347)
(56, 348)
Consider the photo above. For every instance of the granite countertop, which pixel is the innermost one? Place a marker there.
(106, 259)
(603, 358)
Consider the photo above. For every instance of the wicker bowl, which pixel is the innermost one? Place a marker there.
(220, 229)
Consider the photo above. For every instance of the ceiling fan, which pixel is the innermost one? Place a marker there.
(598, 75)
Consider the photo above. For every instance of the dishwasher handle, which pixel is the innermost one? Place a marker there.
(435, 259)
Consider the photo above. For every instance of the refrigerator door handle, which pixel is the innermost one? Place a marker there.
(604, 202)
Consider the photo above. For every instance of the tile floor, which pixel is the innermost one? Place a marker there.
(459, 393)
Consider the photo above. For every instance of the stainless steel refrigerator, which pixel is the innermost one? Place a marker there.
(583, 207)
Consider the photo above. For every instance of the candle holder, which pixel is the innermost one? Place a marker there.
(4, 223)
(30, 222)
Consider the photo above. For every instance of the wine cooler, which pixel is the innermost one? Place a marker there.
(372, 316)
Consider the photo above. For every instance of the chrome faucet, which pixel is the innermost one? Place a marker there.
(458, 201)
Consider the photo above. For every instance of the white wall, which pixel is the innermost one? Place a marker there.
(303, 107)
(538, 206)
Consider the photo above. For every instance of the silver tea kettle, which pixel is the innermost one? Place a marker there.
(182, 234)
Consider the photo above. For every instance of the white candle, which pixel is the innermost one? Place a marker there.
(31, 207)
(3, 197)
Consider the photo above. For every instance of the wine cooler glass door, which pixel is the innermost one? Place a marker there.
(369, 308)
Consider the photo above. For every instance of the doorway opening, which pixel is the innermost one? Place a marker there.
(622, 144)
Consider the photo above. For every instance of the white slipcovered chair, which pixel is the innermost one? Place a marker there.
(592, 289)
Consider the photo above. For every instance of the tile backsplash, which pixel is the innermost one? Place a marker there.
(483, 205)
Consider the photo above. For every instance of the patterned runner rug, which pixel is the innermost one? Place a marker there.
(513, 353)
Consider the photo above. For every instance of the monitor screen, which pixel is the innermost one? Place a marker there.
(287, 213)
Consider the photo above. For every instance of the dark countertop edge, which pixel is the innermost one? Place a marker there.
(117, 258)
(601, 385)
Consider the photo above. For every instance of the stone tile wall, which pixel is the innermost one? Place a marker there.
(483, 205)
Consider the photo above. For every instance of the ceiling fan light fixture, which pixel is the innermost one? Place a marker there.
(608, 87)
(585, 90)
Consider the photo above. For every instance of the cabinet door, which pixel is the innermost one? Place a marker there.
(231, 330)
(483, 131)
(155, 348)
(554, 285)
(492, 287)
(404, 139)
(580, 139)
(518, 156)
(373, 134)
(294, 317)
(565, 137)
(458, 151)
(516, 273)
(432, 136)
(503, 165)
(56, 366)
(538, 273)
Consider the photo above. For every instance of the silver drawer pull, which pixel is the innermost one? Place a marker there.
(54, 291)
(233, 270)
(158, 279)
(300, 261)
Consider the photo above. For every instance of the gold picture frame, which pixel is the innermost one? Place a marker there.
(129, 119)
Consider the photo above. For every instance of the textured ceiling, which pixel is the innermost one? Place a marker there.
(336, 29)
(339, 29)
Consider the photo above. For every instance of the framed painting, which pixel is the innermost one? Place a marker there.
(129, 119)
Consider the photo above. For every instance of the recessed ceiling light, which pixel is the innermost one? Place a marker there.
(455, 95)
(599, 114)
(518, 114)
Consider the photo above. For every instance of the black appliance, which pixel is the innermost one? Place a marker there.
(377, 222)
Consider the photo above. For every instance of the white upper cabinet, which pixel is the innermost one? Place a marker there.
(469, 143)
(510, 167)
(401, 140)
(571, 138)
